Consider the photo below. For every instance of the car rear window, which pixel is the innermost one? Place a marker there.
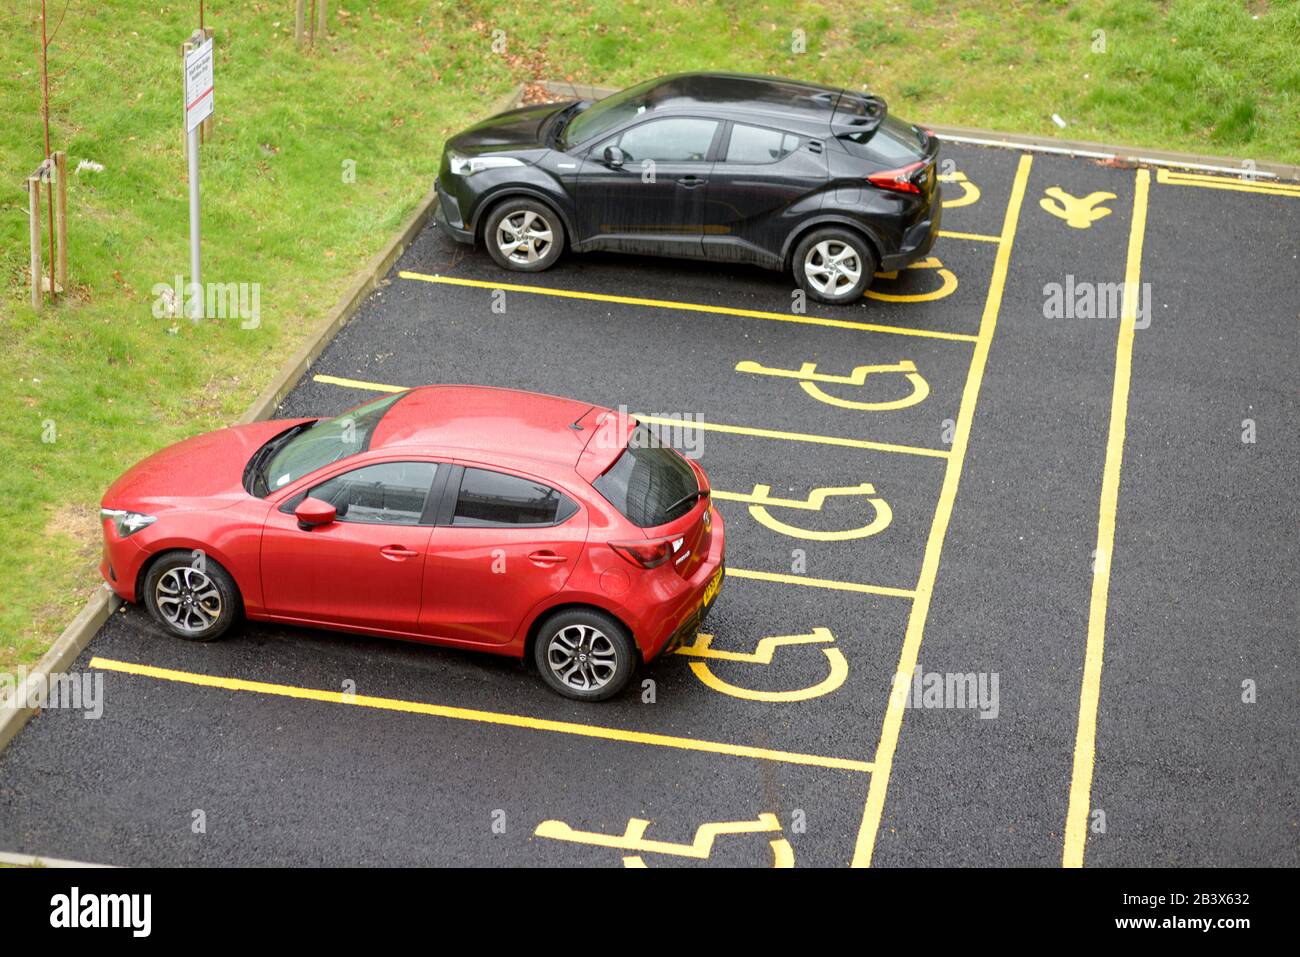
(892, 143)
(649, 484)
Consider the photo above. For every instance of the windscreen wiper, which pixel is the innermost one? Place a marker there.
(254, 476)
(562, 120)
(685, 498)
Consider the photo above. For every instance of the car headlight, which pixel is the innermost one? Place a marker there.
(463, 165)
(126, 523)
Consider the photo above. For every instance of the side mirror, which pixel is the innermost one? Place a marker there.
(312, 512)
(614, 157)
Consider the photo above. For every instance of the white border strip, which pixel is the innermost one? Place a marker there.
(32, 860)
(1244, 172)
(1024, 147)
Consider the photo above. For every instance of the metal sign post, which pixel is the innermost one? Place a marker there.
(198, 107)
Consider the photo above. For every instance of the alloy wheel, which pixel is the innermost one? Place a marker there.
(188, 599)
(524, 237)
(582, 657)
(832, 267)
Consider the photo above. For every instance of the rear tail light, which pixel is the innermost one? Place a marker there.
(647, 554)
(898, 180)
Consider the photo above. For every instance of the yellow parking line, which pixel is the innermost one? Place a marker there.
(977, 237)
(691, 424)
(821, 583)
(794, 436)
(482, 717)
(871, 815)
(1172, 178)
(358, 384)
(694, 307)
(1085, 740)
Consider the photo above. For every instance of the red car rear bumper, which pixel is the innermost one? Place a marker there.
(676, 621)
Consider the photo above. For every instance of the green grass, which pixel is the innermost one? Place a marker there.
(110, 383)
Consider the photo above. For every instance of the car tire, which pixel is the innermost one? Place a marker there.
(213, 602)
(568, 635)
(524, 235)
(834, 265)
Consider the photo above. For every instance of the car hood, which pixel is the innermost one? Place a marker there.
(519, 129)
(205, 471)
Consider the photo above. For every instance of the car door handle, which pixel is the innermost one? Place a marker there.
(397, 553)
(546, 558)
(691, 181)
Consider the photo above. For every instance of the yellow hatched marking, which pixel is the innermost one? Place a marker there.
(1269, 188)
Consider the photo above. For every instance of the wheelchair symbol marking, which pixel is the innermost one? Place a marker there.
(762, 655)
(700, 848)
(948, 284)
(808, 377)
(1079, 212)
(970, 193)
(761, 499)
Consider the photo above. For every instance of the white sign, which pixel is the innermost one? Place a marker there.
(198, 85)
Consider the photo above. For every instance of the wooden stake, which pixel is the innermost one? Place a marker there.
(45, 122)
(34, 209)
(322, 14)
(61, 218)
(299, 15)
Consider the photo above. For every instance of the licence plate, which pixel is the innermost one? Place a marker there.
(712, 588)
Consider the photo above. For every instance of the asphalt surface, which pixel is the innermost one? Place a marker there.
(1201, 597)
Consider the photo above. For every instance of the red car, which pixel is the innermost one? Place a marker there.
(502, 521)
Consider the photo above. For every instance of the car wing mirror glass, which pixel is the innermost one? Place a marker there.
(614, 157)
(312, 512)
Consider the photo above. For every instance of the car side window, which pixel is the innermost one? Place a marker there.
(757, 144)
(680, 139)
(390, 493)
(490, 498)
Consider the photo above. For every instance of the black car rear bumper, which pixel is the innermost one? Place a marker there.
(918, 240)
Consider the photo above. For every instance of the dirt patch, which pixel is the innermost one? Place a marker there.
(79, 523)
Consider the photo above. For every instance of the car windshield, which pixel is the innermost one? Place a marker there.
(325, 441)
(608, 114)
(649, 484)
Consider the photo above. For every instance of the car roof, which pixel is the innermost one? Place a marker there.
(488, 422)
(744, 94)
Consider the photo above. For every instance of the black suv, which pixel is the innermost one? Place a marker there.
(717, 166)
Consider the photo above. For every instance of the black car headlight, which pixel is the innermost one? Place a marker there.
(127, 523)
(462, 165)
